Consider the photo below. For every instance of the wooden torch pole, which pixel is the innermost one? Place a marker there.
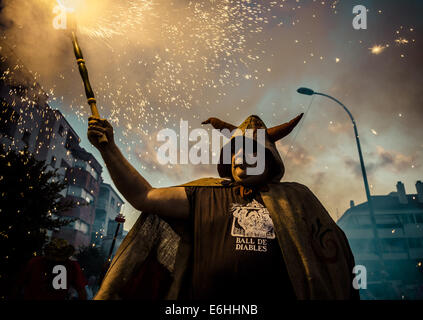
(84, 75)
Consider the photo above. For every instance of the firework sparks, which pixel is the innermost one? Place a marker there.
(173, 55)
(198, 47)
(111, 18)
(400, 41)
(377, 49)
(166, 56)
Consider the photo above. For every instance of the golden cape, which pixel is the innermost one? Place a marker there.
(152, 260)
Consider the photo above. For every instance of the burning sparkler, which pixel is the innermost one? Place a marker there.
(83, 70)
(84, 75)
(213, 38)
(114, 18)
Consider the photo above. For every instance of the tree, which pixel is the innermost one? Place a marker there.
(30, 201)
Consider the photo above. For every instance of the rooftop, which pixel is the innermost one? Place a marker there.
(390, 202)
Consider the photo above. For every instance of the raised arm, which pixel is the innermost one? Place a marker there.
(167, 202)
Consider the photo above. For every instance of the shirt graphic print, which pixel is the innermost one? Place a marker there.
(251, 226)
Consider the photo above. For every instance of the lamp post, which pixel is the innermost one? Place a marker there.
(310, 92)
(120, 219)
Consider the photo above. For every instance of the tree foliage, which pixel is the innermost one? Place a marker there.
(30, 199)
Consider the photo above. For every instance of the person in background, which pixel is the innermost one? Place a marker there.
(36, 280)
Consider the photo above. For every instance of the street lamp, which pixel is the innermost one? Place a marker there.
(120, 219)
(310, 92)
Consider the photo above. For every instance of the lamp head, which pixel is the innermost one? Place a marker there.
(305, 91)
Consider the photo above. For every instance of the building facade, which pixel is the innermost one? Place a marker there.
(393, 259)
(109, 205)
(84, 179)
(27, 121)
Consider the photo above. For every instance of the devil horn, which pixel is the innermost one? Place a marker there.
(219, 124)
(283, 130)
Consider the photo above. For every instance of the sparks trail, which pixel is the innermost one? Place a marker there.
(185, 51)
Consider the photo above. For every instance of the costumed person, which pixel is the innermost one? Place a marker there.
(238, 237)
(36, 280)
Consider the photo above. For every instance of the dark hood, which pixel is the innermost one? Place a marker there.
(271, 136)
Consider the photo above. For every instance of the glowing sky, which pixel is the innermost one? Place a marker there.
(155, 62)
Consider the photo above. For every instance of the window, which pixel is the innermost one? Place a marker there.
(80, 193)
(415, 243)
(407, 219)
(80, 164)
(394, 245)
(388, 221)
(64, 164)
(53, 162)
(386, 218)
(87, 196)
(86, 166)
(419, 218)
(61, 130)
(364, 220)
(363, 245)
(78, 225)
(81, 226)
(72, 140)
(93, 173)
(74, 191)
(26, 136)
